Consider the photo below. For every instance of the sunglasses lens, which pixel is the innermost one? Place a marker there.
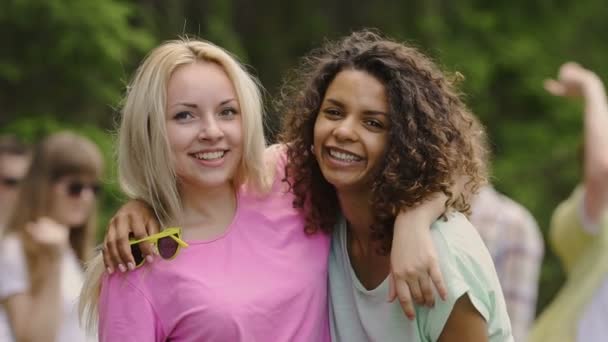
(138, 256)
(96, 189)
(11, 182)
(167, 247)
(74, 189)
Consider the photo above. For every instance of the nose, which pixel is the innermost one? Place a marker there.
(88, 197)
(345, 130)
(210, 130)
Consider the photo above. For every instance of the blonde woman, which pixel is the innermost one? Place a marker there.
(191, 145)
(47, 239)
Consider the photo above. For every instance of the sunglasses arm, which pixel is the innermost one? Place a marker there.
(179, 241)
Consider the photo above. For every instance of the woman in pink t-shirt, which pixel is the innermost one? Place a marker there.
(191, 146)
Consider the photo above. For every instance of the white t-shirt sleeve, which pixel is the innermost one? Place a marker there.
(431, 321)
(468, 270)
(13, 268)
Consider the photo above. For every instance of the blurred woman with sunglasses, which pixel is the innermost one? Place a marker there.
(49, 235)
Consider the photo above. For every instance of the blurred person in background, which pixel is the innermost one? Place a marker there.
(14, 162)
(46, 239)
(579, 226)
(516, 245)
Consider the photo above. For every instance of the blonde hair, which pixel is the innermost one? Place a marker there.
(145, 169)
(60, 154)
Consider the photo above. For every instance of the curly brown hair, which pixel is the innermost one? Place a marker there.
(433, 140)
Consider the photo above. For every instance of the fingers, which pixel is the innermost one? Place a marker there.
(405, 299)
(569, 67)
(392, 293)
(415, 291)
(152, 226)
(427, 292)
(437, 279)
(117, 250)
(107, 261)
(554, 87)
(123, 230)
(149, 228)
(111, 243)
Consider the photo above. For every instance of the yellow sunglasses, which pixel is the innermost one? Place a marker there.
(167, 243)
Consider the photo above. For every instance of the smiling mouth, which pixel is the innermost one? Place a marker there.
(215, 155)
(343, 156)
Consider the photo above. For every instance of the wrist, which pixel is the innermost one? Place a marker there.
(420, 217)
(592, 84)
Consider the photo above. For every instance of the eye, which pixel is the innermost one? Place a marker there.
(228, 112)
(332, 112)
(377, 124)
(181, 116)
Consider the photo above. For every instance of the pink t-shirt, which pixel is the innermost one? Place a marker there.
(264, 279)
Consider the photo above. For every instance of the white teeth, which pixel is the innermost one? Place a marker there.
(344, 156)
(210, 155)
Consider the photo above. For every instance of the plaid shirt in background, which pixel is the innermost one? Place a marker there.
(516, 245)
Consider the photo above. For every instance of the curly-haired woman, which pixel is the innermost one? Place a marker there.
(373, 126)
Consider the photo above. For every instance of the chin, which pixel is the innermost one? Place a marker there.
(342, 184)
(76, 221)
(216, 179)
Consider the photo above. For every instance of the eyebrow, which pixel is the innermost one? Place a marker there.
(335, 102)
(367, 112)
(192, 105)
(227, 101)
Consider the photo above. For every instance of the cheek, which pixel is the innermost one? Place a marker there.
(178, 136)
(320, 131)
(57, 196)
(61, 206)
(317, 141)
(380, 149)
(237, 134)
(89, 206)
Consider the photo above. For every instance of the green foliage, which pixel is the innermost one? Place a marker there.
(69, 58)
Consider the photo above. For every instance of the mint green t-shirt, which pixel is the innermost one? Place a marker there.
(358, 314)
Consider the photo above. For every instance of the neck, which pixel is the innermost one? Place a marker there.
(208, 209)
(370, 268)
(357, 211)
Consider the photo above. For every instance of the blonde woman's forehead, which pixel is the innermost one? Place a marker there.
(204, 84)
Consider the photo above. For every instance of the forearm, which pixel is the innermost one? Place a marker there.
(428, 211)
(42, 314)
(433, 207)
(596, 147)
